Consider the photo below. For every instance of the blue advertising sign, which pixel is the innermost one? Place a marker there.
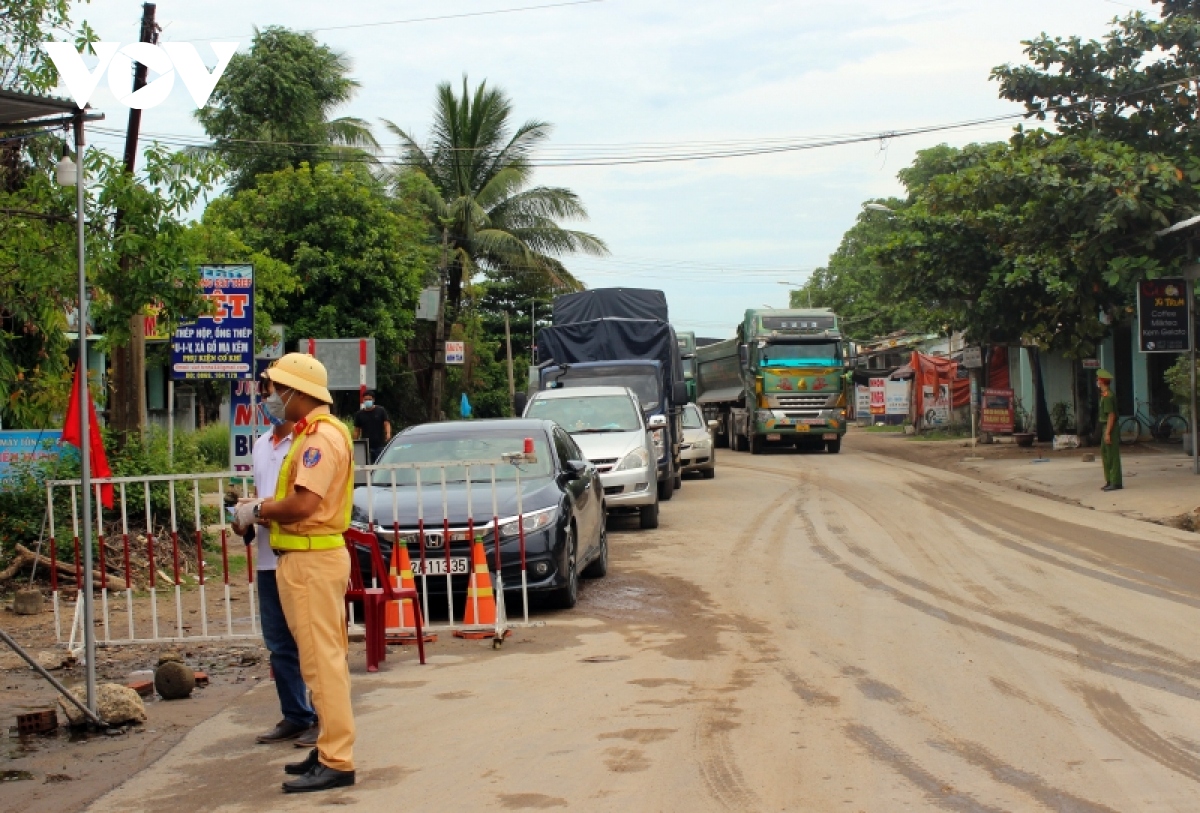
(28, 446)
(247, 419)
(220, 345)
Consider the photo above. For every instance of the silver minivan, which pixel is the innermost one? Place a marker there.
(608, 426)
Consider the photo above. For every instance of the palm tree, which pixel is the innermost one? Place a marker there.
(479, 193)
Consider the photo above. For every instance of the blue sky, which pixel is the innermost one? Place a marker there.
(717, 236)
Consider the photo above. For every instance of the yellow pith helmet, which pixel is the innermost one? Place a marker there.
(303, 373)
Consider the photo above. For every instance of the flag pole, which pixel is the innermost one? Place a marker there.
(85, 440)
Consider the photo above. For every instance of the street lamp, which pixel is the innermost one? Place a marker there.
(70, 173)
(797, 285)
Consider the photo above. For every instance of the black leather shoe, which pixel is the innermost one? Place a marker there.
(321, 777)
(285, 730)
(309, 738)
(301, 768)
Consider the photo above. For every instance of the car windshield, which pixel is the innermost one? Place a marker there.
(644, 384)
(588, 414)
(447, 447)
(813, 351)
(692, 418)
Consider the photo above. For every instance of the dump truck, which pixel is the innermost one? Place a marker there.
(779, 381)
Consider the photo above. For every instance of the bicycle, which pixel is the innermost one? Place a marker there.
(1169, 427)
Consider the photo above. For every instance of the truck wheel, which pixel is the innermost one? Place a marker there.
(833, 446)
(648, 517)
(666, 488)
(756, 444)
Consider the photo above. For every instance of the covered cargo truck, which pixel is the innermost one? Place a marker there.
(639, 351)
(779, 381)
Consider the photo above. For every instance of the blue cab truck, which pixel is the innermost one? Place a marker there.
(621, 337)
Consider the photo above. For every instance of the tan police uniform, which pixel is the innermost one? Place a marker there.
(314, 569)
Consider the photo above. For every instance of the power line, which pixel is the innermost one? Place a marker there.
(439, 17)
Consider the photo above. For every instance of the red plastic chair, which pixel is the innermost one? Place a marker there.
(375, 599)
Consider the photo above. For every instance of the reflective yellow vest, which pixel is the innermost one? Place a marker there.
(286, 541)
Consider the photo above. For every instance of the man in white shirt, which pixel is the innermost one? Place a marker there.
(299, 720)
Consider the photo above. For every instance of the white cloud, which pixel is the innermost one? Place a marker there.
(672, 71)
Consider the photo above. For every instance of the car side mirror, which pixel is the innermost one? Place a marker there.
(520, 399)
(576, 469)
(714, 425)
(657, 422)
(679, 392)
(744, 355)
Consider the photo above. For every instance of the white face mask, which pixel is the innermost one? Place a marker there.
(275, 408)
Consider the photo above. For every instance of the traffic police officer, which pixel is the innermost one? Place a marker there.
(308, 515)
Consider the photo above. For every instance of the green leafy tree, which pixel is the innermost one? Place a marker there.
(357, 258)
(1033, 240)
(24, 26)
(480, 194)
(1136, 85)
(855, 285)
(272, 108)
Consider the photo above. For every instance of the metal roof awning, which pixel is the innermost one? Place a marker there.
(23, 110)
(717, 396)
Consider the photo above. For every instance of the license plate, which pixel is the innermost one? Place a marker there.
(829, 436)
(437, 567)
(800, 427)
(773, 437)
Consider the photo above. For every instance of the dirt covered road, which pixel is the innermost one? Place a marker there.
(804, 632)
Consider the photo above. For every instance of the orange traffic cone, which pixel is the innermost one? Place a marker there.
(480, 611)
(403, 613)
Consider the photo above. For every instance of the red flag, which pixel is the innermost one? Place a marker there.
(73, 434)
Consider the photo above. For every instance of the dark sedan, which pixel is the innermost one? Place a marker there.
(562, 506)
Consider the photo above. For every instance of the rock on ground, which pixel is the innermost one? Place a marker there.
(174, 680)
(116, 705)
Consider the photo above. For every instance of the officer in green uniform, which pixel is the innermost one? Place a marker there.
(1110, 447)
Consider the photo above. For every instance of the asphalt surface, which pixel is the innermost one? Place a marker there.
(804, 632)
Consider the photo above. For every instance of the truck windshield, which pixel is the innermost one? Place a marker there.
(588, 414)
(644, 384)
(817, 352)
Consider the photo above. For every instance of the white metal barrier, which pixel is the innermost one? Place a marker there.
(134, 498)
(132, 494)
(462, 527)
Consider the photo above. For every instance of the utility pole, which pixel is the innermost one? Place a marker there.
(512, 388)
(439, 342)
(128, 413)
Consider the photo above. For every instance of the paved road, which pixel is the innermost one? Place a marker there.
(805, 632)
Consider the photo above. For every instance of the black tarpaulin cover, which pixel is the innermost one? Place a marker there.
(613, 340)
(606, 303)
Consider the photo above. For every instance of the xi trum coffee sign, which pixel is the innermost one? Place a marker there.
(1163, 316)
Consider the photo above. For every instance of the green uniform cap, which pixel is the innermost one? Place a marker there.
(1102, 373)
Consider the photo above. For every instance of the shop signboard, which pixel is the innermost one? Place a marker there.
(28, 446)
(219, 345)
(878, 396)
(897, 394)
(1163, 316)
(862, 402)
(247, 419)
(998, 413)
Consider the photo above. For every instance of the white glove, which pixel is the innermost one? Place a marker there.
(243, 515)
